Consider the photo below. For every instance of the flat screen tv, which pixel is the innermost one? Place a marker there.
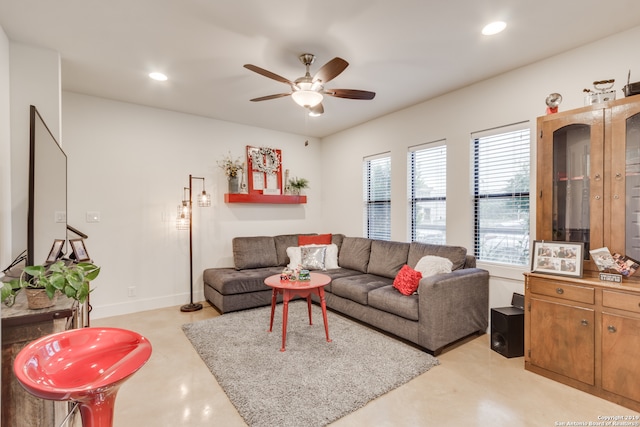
(47, 210)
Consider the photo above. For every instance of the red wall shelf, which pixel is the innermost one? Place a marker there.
(262, 198)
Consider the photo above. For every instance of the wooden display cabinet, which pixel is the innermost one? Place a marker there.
(583, 332)
(588, 177)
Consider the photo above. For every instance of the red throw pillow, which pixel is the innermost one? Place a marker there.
(407, 280)
(320, 239)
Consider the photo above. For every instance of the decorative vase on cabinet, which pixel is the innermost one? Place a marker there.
(234, 185)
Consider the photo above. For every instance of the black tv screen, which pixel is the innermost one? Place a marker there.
(47, 211)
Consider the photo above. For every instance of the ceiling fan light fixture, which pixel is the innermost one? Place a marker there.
(307, 98)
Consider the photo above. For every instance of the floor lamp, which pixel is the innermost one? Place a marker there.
(185, 221)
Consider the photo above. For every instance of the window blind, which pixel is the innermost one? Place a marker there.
(427, 167)
(377, 197)
(501, 195)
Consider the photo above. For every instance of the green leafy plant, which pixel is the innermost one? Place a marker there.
(71, 280)
(298, 183)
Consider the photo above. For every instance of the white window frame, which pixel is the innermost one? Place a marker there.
(381, 201)
(508, 242)
(433, 155)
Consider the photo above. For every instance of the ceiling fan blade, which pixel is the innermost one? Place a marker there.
(268, 97)
(350, 93)
(267, 73)
(331, 70)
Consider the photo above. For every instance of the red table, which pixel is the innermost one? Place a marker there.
(302, 288)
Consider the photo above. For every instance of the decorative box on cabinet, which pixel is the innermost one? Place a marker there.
(21, 325)
(584, 333)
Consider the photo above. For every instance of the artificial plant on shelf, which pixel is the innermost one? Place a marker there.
(72, 280)
(230, 166)
(298, 184)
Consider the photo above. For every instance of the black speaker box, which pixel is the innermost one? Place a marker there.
(507, 331)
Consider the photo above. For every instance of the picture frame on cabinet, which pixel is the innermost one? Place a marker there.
(79, 250)
(560, 258)
(55, 252)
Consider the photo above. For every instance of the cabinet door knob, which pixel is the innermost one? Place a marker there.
(584, 322)
(612, 329)
(559, 291)
(597, 197)
(618, 176)
(597, 177)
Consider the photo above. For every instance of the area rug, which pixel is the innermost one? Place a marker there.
(312, 383)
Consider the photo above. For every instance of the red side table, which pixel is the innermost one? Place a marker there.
(302, 288)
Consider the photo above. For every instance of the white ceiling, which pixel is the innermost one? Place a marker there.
(407, 51)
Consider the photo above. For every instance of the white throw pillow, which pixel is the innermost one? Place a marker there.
(330, 257)
(430, 265)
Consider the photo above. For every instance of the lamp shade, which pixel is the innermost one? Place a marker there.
(307, 96)
(204, 200)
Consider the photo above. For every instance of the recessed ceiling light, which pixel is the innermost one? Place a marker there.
(158, 76)
(494, 28)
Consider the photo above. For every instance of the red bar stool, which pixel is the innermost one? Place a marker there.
(86, 365)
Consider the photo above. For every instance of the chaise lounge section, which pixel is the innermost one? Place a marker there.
(445, 307)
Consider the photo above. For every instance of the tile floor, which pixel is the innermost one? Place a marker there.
(473, 386)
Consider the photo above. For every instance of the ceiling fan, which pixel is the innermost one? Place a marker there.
(308, 91)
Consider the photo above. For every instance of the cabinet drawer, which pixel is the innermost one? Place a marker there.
(565, 291)
(621, 301)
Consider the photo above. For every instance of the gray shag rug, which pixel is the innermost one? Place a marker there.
(312, 383)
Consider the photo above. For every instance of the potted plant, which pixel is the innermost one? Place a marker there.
(298, 184)
(232, 169)
(43, 284)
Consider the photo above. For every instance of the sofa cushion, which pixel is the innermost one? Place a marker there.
(356, 288)
(388, 299)
(337, 239)
(254, 252)
(407, 280)
(456, 254)
(312, 257)
(387, 258)
(430, 265)
(319, 239)
(228, 281)
(282, 243)
(330, 258)
(354, 253)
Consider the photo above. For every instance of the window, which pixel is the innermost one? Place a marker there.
(427, 170)
(377, 197)
(501, 194)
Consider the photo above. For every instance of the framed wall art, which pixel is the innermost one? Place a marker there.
(264, 170)
(562, 258)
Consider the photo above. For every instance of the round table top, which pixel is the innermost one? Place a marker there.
(317, 280)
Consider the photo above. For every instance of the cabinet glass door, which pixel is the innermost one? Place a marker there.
(624, 225)
(571, 184)
(632, 166)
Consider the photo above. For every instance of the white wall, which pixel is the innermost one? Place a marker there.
(131, 163)
(509, 98)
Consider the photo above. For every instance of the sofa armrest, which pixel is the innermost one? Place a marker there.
(452, 306)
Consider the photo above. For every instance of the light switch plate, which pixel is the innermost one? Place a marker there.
(93, 216)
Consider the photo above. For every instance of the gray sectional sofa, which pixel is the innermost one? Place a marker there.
(445, 308)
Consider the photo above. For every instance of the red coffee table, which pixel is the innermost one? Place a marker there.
(302, 288)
